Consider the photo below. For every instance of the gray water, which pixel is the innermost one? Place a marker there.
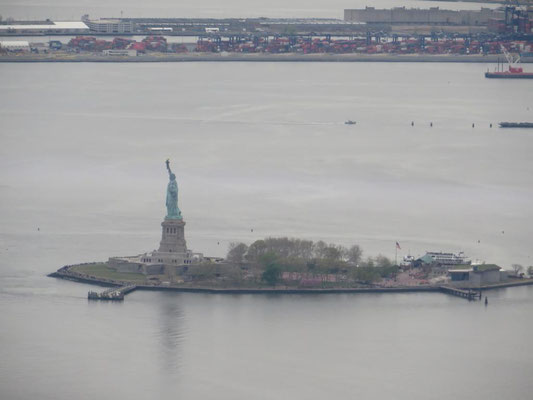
(74, 9)
(56, 345)
(264, 146)
(261, 146)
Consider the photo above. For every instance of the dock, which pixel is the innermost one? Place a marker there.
(469, 294)
(113, 294)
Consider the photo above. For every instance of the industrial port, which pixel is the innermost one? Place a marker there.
(364, 32)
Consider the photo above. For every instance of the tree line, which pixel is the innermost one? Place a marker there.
(277, 255)
(296, 249)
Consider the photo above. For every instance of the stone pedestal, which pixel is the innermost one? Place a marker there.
(173, 237)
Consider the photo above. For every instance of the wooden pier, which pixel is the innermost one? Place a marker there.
(469, 294)
(113, 294)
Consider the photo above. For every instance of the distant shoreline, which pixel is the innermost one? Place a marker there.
(501, 2)
(97, 58)
(72, 276)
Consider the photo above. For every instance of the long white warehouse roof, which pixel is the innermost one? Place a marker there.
(52, 26)
(14, 43)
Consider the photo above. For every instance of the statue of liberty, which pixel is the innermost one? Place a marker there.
(173, 212)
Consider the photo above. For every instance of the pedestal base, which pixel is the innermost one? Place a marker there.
(173, 237)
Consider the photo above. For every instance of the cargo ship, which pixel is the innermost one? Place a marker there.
(513, 72)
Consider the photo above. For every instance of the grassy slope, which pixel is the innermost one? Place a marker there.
(103, 271)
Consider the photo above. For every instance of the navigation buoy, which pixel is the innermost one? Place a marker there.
(431, 124)
(486, 300)
(491, 125)
(473, 125)
(412, 123)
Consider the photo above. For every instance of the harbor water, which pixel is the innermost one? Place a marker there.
(261, 149)
(74, 9)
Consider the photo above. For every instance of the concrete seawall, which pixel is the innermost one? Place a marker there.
(78, 278)
(64, 273)
(292, 291)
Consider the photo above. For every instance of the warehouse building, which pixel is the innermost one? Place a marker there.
(20, 46)
(110, 26)
(477, 275)
(45, 28)
(431, 16)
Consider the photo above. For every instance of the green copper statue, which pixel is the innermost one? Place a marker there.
(173, 212)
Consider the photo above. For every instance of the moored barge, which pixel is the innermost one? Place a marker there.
(516, 124)
(513, 72)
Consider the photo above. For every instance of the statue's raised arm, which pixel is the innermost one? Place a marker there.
(168, 166)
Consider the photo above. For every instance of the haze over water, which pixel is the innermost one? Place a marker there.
(74, 9)
(262, 146)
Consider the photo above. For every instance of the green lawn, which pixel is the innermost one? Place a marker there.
(102, 270)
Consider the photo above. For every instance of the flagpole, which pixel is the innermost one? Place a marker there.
(396, 255)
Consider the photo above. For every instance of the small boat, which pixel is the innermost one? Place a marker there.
(350, 122)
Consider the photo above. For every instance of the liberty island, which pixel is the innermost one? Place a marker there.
(280, 265)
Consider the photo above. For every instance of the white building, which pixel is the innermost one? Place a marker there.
(49, 28)
(15, 46)
(111, 26)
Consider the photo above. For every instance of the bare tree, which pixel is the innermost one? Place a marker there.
(382, 261)
(320, 249)
(284, 248)
(256, 250)
(333, 252)
(517, 268)
(236, 252)
(369, 263)
(303, 248)
(354, 254)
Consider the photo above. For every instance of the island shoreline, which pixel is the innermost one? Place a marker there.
(72, 276)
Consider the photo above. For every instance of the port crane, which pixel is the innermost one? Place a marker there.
(513, 62)
(516, 17)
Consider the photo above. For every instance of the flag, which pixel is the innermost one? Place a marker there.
(398, 246)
